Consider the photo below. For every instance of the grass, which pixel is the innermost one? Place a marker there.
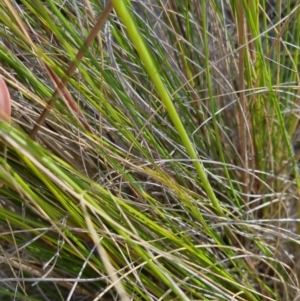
(151, 153)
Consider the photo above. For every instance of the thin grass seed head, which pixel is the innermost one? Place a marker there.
(5, 102)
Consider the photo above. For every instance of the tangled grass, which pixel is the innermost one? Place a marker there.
(153, 150)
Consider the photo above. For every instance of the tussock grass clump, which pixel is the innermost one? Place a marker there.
(152, 153)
